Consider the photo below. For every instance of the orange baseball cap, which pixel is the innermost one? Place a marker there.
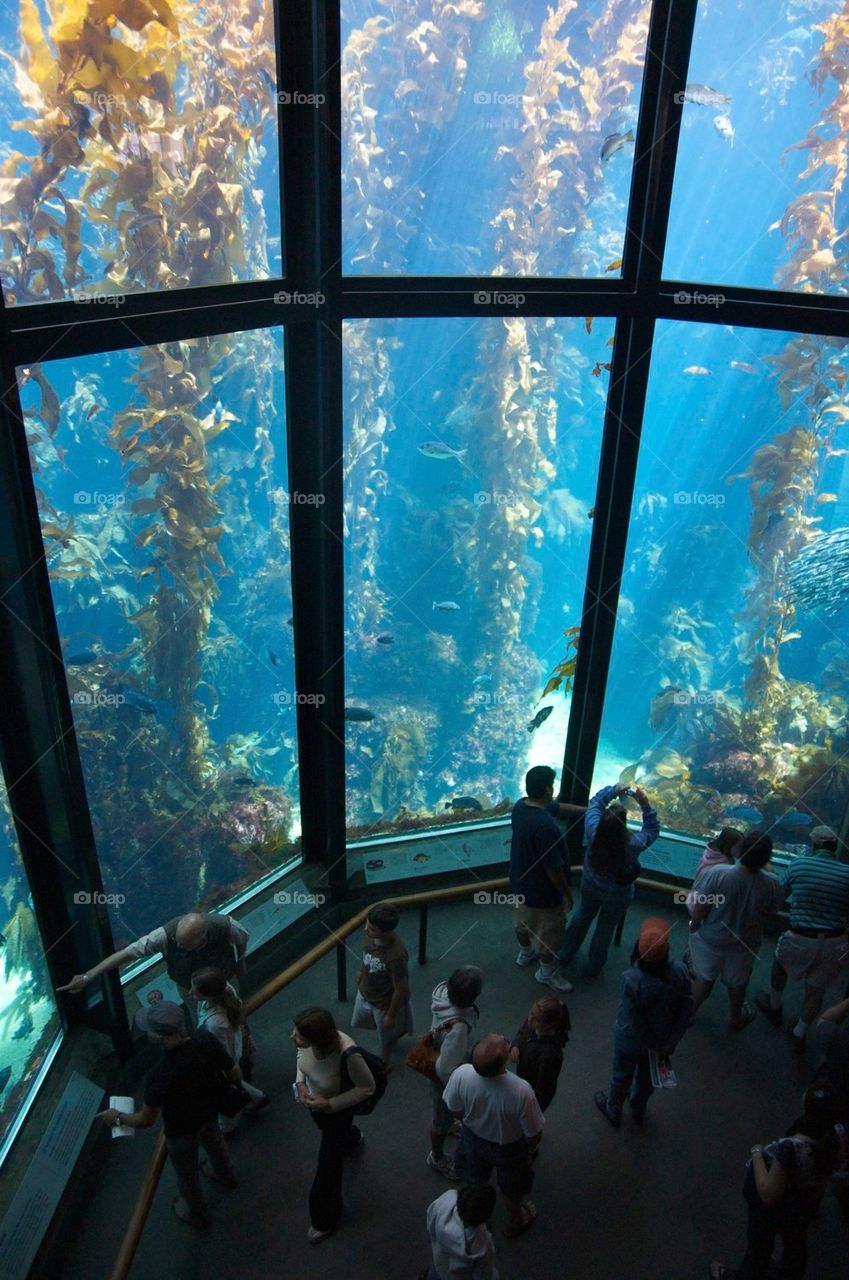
(654, 939)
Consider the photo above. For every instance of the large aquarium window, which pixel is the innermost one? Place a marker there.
(727, 697)
(771, 122)
(139, 147)
(471, 453)
(29, 1022)
(489, 139)
(162, 488)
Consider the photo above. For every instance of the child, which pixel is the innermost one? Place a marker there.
(721, 851)
(220, 1012)
(537, 1047)
(383, 998)
(460, 1242)
(654, 1013)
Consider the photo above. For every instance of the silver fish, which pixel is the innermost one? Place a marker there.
(446, 606)
(703, 96)
(434, 449)
(724, 128)
(819, 575)
(615, 142)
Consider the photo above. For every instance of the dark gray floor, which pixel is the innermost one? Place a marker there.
(657, 1203)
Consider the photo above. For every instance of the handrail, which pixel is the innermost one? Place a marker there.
(130, 1244)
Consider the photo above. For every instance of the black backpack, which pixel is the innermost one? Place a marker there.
(377, 1069)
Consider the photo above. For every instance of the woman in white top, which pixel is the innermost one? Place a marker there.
(329, 1091)
(220, 1013)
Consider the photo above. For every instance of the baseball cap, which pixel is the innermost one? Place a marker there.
(162, 1019)
(823, 835)
(654, 939)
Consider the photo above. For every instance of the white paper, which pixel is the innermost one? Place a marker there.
(127, 1106)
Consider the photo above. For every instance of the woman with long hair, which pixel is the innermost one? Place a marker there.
(611, 865)
(329, 1087)
(220, 1012)
(785, 1182)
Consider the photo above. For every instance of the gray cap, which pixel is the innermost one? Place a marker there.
(162, 1019)
(823, 835)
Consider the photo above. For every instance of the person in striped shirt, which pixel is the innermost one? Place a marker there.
(815, 949)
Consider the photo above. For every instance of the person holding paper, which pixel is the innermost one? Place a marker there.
(198, 940)
(654, 1013)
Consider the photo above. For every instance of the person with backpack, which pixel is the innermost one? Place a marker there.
(454, 1023)
(219, 1011)
(333, 1080)
(611, 865)
(654, 1012)
(785, 1183)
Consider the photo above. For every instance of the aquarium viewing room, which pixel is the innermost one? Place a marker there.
(424, 639)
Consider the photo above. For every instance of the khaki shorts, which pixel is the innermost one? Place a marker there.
(819, 962)
(546, 925)
(732, 964)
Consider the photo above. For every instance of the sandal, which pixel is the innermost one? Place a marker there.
(747, 1014)
(529, 1217)
(719, 1271)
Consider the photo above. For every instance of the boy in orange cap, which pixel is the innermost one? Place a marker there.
(654, 1012)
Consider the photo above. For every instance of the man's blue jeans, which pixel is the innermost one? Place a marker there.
(629, 1066)
(609, 907)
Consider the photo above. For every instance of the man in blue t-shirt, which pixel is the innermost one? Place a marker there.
(539, 875)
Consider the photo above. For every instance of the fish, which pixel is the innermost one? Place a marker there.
(446, 606)
(24, 1030)
(724, 128)
(139, 700)
(614, 265)
(818, 577)
(359, 715)
(747, 813)
(591, 513)
(243, 782)
(465, 802)
(273, 658)
(697, 371)
(435, 449)
(615, 142)
(795, 818)
(704, 96)
(743, 366)
(663, 706)
(486, 678)
(95, 408)
(290, 622)
(5, 1075)
(540, 718)
(384, 637)
(84, 658)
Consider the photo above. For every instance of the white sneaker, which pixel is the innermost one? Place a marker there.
(554, 980)
(524, 958)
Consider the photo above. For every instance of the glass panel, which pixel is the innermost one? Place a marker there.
(162, 493)
(139, 149)
(761, 161)
(728, 690)
(28, 1019)
(485, 140)
(470, 463)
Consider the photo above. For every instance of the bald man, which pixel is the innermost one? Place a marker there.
(194, 941)
(502, 1126)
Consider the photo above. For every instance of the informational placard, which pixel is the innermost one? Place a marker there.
(159, 988)
(283, 908)
(436, 853)
(29, 1214)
